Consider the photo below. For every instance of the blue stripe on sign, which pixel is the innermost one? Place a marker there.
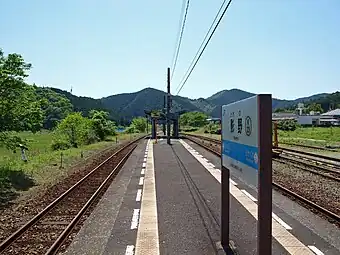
(245, 154)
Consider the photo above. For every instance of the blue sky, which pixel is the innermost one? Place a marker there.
(288, 48)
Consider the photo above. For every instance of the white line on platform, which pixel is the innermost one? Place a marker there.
(141, 181)
(234, 183)
(211, 164)
(143, 171)
(139, 194)
(315, 250)
(134, 221)
(144, 164)
(129, 250)
(249, 195)
(147, 235)
(144, 160)
(284, 224)
(289, 242)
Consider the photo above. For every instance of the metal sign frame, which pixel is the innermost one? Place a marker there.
(262, 169)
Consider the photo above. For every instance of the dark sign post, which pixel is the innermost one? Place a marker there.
(246, 151)
(225, 203)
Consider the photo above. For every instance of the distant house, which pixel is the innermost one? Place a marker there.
(284, 116)
(214, 120)
(309, 120)
(304, 120)
(331, 118)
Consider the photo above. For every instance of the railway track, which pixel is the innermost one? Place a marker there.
(48, 230)
(325, 166)
(332, 172)
(311, 147)
(214, 146)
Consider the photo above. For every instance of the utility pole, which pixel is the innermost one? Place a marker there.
(164, 111)
(147, 124)
(168, 101)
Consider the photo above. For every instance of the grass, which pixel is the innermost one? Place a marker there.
(43, 166)
(200, 131)
(315, 136)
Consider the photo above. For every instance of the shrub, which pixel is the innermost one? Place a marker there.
(189, 129)
(130, 130)
(60, 144)
(89, 136)
(287, 125)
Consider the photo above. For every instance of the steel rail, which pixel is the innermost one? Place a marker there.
(310, 146)
(280, 187)
(19, 232)
(63, 236)
(296, 162)
(283, 149)
(308, 202)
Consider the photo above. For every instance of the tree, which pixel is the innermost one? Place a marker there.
(19, 108)
(314, 107)
(329, 102)
(280, 110)
(184, 119)
(139, 124)
(75, 128)
(101, 125)
(55, 106)
(194, 119)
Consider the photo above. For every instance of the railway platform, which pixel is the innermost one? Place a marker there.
(166, 200)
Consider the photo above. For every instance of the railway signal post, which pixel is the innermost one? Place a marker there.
(246, 152)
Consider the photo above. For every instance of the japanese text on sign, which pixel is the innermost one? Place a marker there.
(241, 122)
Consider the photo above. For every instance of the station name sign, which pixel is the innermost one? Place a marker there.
(247, 154)
(240, 137)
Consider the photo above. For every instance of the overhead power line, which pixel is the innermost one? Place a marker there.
(205, 37)
(178, 32)
(179, 36)
(194, 62)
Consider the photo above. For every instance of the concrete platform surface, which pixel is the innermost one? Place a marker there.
(166, 200)
(315, 232)
(112, 226)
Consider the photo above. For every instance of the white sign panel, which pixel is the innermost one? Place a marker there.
(240, 138)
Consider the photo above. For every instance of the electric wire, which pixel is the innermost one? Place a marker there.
(181, 27)
(192, 66)
(205, 37)
(178, 32)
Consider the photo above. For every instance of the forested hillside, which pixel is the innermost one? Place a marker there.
(30, 107)
(123, 107)
(327, 102)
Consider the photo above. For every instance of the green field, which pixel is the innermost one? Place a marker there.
(43, 166)
(315, 136)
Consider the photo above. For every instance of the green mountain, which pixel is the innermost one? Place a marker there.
(86, 104)
(123, 107)
(229, 96)
(328, 101)
(129, 105)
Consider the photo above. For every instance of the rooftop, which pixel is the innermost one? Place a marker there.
(332, 113)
